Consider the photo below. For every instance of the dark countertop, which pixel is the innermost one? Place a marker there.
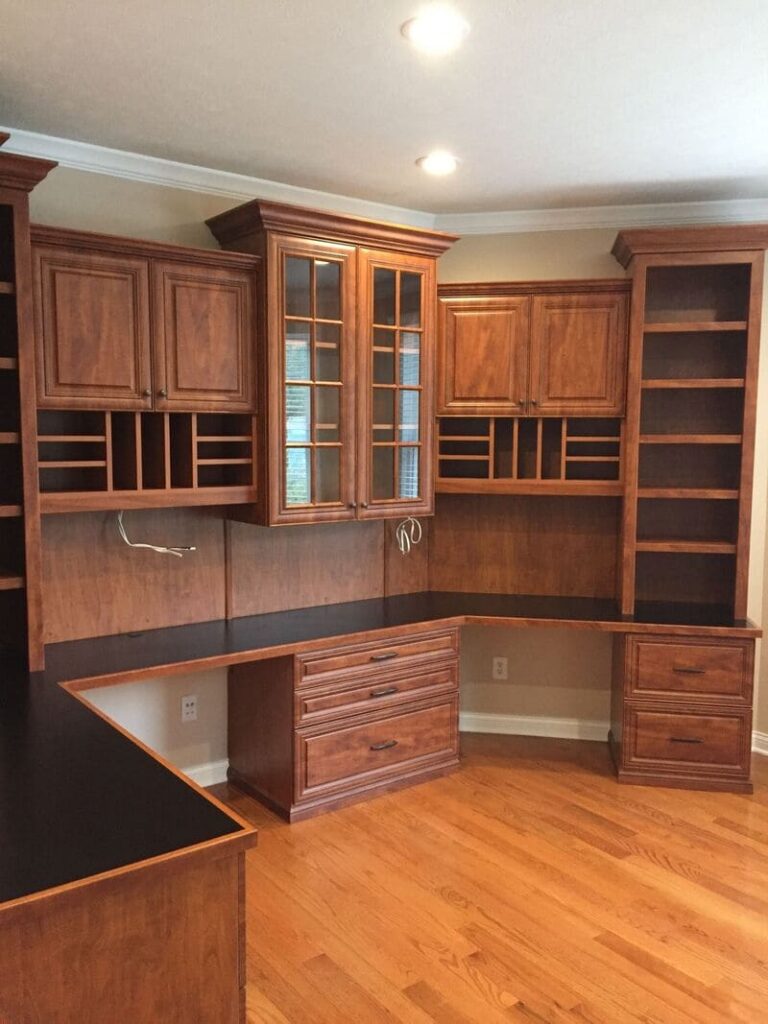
(78, 798)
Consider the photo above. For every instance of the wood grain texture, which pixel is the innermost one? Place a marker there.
(524, 888)
(276, 570)
(165, 944)
(93, 585)
(525, 545)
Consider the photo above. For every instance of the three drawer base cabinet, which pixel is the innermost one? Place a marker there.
(334, 726)
(682, 711)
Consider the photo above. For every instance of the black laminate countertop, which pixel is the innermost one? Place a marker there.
(78, 798)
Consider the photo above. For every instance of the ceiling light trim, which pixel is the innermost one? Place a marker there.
(118, 163)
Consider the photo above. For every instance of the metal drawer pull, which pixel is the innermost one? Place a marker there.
(685, 739)
(384, 657)
(385, 692)
(386, 745)
(689, 671)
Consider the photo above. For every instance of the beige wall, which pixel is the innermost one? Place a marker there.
(567, 676)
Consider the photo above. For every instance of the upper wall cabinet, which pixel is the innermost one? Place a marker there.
(348, 364)
(137, 325)
(554, 349)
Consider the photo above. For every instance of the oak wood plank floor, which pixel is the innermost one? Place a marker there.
(527, 887)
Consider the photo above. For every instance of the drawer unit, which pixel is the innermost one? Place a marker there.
(698, 742)
(362, 752)
(706, 670)
(336, 700)
(382, 656)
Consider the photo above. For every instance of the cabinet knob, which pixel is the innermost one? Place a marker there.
(352, 504)
(364, 504)
(534, 403)
(146, 393)
(162, 393)
(521, 402)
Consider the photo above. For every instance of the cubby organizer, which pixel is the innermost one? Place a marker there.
(105, 460)
(522, 455)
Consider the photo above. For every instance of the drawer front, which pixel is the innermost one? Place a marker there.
(698, 743)
(380, 747)
(706, 670)
(330, 701)
(382, 656)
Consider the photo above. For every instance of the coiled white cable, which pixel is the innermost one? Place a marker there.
(177, 552)
(408, 533)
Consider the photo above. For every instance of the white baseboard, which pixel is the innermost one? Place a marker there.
(760, 742)
(208, 774)
(533, 725)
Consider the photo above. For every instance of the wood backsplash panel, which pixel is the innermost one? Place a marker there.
(525, 545)
(93, 585)
(405, 574)
(278, 568)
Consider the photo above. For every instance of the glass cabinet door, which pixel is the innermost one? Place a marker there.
(396, 330)
(315, 342)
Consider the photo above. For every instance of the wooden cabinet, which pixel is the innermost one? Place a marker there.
(124, 325)
(348, 362)
(557, 349)
(323, 729)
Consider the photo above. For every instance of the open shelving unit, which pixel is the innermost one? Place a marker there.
(89, 461)
(529, 455)
(691, 430)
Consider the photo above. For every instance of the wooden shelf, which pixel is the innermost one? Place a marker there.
(466, 437)
(697, 326)
(211, 438)
(687, 493)
(592, 439)
(685, 383)
(74, 464)
(224, 462)
(9, 437)
(11, 511)
(10, 581)
(177, 497)
(563, 488)
(8, 363)
(690, 439)
(72, 438)
(695, 547)
(7, 288)
(592, 458)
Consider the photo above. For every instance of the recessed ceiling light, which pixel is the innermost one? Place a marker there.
(437, 29)
(438, 162)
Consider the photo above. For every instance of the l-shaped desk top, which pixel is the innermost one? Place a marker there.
(78, 798)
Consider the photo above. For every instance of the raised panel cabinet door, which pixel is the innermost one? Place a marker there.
(578, 354)
(483, 356)
(93, 332)
(311, 374)
(397, 296)
(204, 338)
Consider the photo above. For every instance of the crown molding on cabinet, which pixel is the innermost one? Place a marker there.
(118, 163)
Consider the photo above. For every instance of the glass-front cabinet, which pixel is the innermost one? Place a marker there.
(395, 384)
(313, 435)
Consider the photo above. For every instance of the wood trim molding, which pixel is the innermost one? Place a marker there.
(260, 215)
(467, 289)
(93, 241)
(22, 172)
(717, 238)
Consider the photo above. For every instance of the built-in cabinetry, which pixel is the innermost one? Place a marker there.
(322, 729)
(146, 379)
(347, 365)
(20, 557)
(545, 348)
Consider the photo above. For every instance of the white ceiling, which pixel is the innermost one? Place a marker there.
(549, 103)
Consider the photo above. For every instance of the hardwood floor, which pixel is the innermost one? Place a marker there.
(527, 887)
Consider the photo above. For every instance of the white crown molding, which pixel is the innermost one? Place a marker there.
(209, 774)
(534, 725)
(118, 163)
(580, 218)
(84, 156)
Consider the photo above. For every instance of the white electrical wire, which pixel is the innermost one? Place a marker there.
(408, 533)
(177, 552)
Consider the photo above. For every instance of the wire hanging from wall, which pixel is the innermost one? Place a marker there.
(177, 552)
(408, 534)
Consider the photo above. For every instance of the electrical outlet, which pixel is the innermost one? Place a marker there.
(189, 708)
(499, 668)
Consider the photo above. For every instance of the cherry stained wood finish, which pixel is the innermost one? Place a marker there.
(372, 660)
(120, 321)
(320, 703)
(166, 945)
(696, 742)
(578, 355)
(523, 888)
(360, 753)
(368, 505)
(715, 239)
(203, 332)
(660, 667)
(482, 363)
